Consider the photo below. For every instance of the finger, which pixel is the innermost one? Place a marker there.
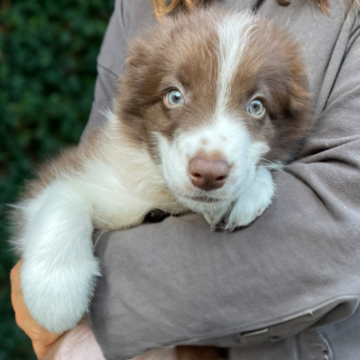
(15, 276)
(16, 294)
(40, 349)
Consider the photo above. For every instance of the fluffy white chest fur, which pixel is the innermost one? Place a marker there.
(209, 103)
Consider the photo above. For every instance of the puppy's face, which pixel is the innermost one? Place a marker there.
(212, 97)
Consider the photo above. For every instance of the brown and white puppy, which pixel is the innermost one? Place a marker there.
(209, 104)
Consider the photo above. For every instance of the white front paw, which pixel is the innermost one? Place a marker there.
(252, 202)
(57, 297)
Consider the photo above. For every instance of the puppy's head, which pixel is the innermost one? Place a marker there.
(212, 96)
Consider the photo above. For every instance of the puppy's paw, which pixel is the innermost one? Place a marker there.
(57, 297)
(253, 202)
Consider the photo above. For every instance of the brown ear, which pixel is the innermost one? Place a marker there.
(139, 52)
(297, 115)
(293, 120)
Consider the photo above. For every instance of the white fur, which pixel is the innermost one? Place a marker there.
(59, 269)
(253, 200)
(234, 33)
(240, 151)
(114, 190)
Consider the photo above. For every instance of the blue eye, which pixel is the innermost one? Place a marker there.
(174, 98)
(256, 108)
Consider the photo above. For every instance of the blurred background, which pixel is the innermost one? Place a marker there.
(48, 55)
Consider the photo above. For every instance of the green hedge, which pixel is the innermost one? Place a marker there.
(48, 55)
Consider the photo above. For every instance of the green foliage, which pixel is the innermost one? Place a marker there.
(48, 55)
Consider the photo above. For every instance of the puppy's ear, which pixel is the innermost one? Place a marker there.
(299, 110)
(146, 47)
(299, 95)
(293, 98)
(139, 53)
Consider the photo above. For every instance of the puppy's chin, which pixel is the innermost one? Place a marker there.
(212, 207)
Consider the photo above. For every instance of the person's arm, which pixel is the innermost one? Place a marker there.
(297, 266)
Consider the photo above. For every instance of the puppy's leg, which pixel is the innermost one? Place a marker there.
(253, 201)
(59, 270)
(58, 273)
(55, 240)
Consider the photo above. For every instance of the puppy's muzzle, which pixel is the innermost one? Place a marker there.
(207, 174)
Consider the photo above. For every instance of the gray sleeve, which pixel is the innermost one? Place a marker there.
(297, 266)
(129, 16)
(110, 64)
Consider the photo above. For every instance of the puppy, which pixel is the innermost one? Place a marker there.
(209, 104)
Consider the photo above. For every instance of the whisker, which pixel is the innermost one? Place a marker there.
(275, 166)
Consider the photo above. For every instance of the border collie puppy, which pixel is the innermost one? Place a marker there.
(210, 102)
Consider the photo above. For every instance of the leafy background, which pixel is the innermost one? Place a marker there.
(48, 55)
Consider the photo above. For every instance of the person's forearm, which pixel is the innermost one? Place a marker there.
(176, 282)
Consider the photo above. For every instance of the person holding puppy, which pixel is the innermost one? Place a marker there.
(286, 287)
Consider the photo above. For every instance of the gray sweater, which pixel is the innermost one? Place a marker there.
(278, 289)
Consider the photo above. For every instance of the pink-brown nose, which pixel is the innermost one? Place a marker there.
(206, 174)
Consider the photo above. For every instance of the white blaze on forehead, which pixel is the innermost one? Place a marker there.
(234, 32)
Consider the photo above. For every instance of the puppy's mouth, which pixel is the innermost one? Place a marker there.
(204, 199)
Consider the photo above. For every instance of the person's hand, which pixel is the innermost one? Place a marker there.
(40, 337)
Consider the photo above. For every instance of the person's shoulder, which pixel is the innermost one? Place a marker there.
(136, 15)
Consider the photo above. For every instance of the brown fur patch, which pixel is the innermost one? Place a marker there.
(68, 161)
(180, 53)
